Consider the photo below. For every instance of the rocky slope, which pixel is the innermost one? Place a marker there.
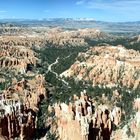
(110, 66)
(21, 91)
(85, 118)
(21, 87)
(74, 37)
(46, 36)
(16, 58)
(27, 62)
(19, 105)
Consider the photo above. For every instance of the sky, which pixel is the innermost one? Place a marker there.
(101, 10)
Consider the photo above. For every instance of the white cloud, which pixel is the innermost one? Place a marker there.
(80, 2)
(118, 9)
(46, 11)
(13, 17)
(3, 11)
(2, 14)
(114, 4)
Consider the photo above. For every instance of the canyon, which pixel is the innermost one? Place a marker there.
(68, 83)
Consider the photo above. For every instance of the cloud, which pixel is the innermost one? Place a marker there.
(80, 2)
(47, 11)
(117, 6)
(3, 14)
(3, 11)
(124, 5)
(63, 13)
(13, 17)
(113, 9)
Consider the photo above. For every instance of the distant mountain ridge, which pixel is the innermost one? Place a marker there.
(111, 27)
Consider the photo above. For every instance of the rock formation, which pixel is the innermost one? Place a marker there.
(22, 88)
(51, 37)
(107, 65)
(84, 120)
(19, 105)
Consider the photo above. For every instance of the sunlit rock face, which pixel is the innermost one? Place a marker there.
(107, 65)
(29, 91)
(80, 118)
(51, 37)
(83, 119)
(74, 38)
(17, 58)
(24, 89)
(19, 105)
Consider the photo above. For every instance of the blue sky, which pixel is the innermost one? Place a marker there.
(103, 10)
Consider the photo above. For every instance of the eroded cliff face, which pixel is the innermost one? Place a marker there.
(51, 37)
(107, 65)
(28, 91)
(19, 105)
(22, 88)
(81, 118)
(16, 58)
(74, 37)
(84, 118)
(23, 40)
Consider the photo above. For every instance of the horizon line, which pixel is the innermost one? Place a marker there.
(80, 19)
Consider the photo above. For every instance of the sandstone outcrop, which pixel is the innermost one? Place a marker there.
(107, 65)
(84, 120)
(19, 105)
(22, 88)
(51, 37)
(73, 38)
(17, 57)
(29, 91)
